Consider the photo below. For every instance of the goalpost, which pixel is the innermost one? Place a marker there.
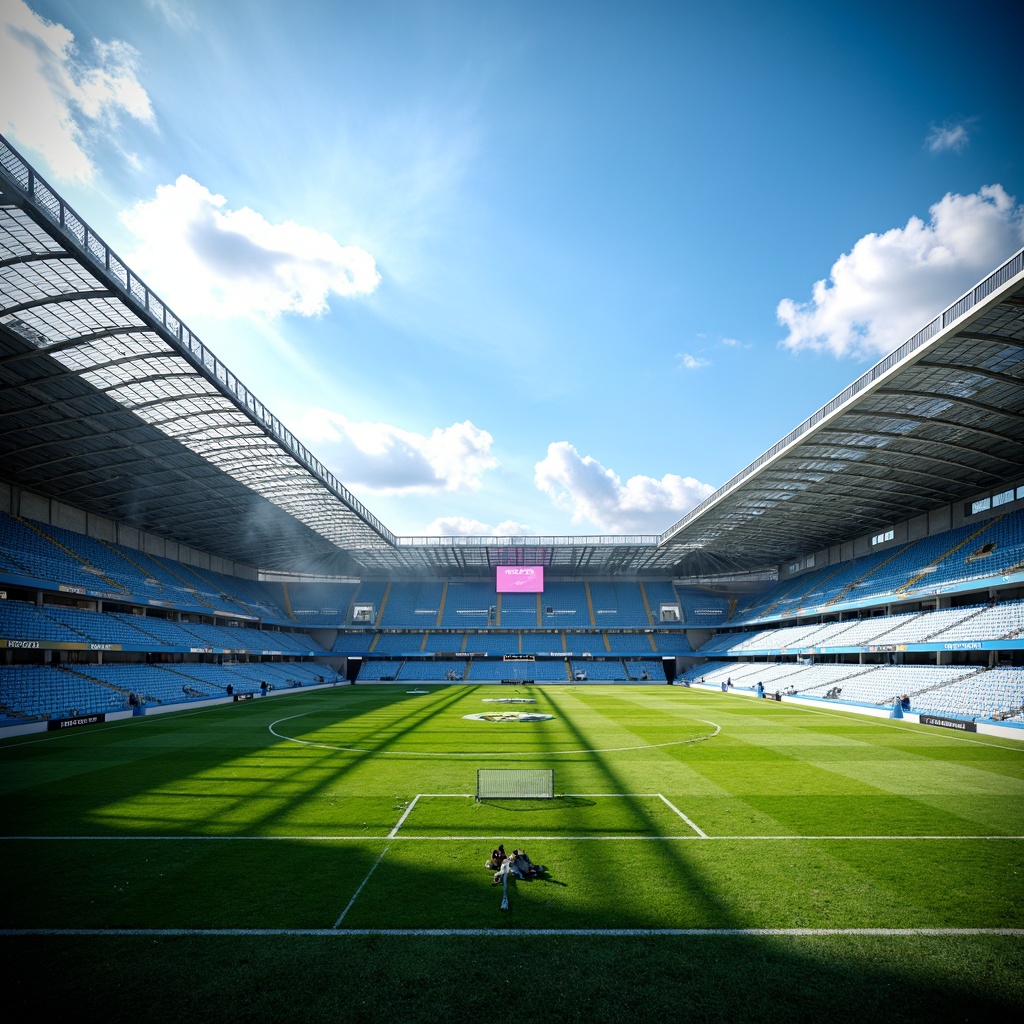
(515, 783)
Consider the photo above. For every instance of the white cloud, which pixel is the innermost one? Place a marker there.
(949, 137)
(460, 526)
(389, 460)
(890, 285)
(54, 100)
(587, 490)
(690, 362)
(204, 256)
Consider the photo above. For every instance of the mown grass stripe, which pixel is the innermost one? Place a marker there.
(446, 932)
(364, 838)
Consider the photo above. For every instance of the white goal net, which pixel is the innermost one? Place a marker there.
(508, 783)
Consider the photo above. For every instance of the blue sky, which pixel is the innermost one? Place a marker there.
(552, 268)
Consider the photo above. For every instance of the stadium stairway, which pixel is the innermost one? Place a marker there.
(647, 603)
(860, 579)
(935, 562)
(441, 604)
(87, 566)
(383, 605)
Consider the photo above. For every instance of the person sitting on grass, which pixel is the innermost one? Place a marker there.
(497, 858)
(520, 865)
(508, 866)
(525, 865)
(504, 868)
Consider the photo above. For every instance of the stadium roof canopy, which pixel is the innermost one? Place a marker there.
(108, 402)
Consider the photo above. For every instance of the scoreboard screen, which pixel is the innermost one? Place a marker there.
(520, 579)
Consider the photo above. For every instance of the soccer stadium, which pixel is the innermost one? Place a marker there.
(776, 750)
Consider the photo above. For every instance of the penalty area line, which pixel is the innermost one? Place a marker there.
(408, 811)
(671, 805)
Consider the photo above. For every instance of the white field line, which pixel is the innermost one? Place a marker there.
(645, 795)
(524, 932)
(364, 838)
(669, 803)
(408, 811)
(360, 889)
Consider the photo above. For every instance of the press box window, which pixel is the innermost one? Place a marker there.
(364, 614)
(670, 613)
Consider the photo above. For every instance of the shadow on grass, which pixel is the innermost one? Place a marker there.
(219, 777)
(591, 980)
(565, 803)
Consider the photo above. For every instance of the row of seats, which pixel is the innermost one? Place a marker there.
(955, 690)
(975, 551)
(442, 670)
(72, 690)
(55, 555)
(20, 620)
(49, 554)
(645, 643)
(948, 625)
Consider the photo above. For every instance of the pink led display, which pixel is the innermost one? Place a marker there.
(520, 579)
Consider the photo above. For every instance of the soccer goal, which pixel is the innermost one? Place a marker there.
(510, 783)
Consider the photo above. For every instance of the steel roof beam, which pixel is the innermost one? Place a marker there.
(1000, 378)
(884, 467)
(970, 403)
(997, 339)
(927, 421)
(920, 456)
(36, 257)
(56, 300)
(62, 346)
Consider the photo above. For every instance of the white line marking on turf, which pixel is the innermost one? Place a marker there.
(703, 835)
(360, 889)
(364, 838)
(455, 932)
(408, 811)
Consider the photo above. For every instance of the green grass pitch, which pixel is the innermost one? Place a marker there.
(318, 857)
